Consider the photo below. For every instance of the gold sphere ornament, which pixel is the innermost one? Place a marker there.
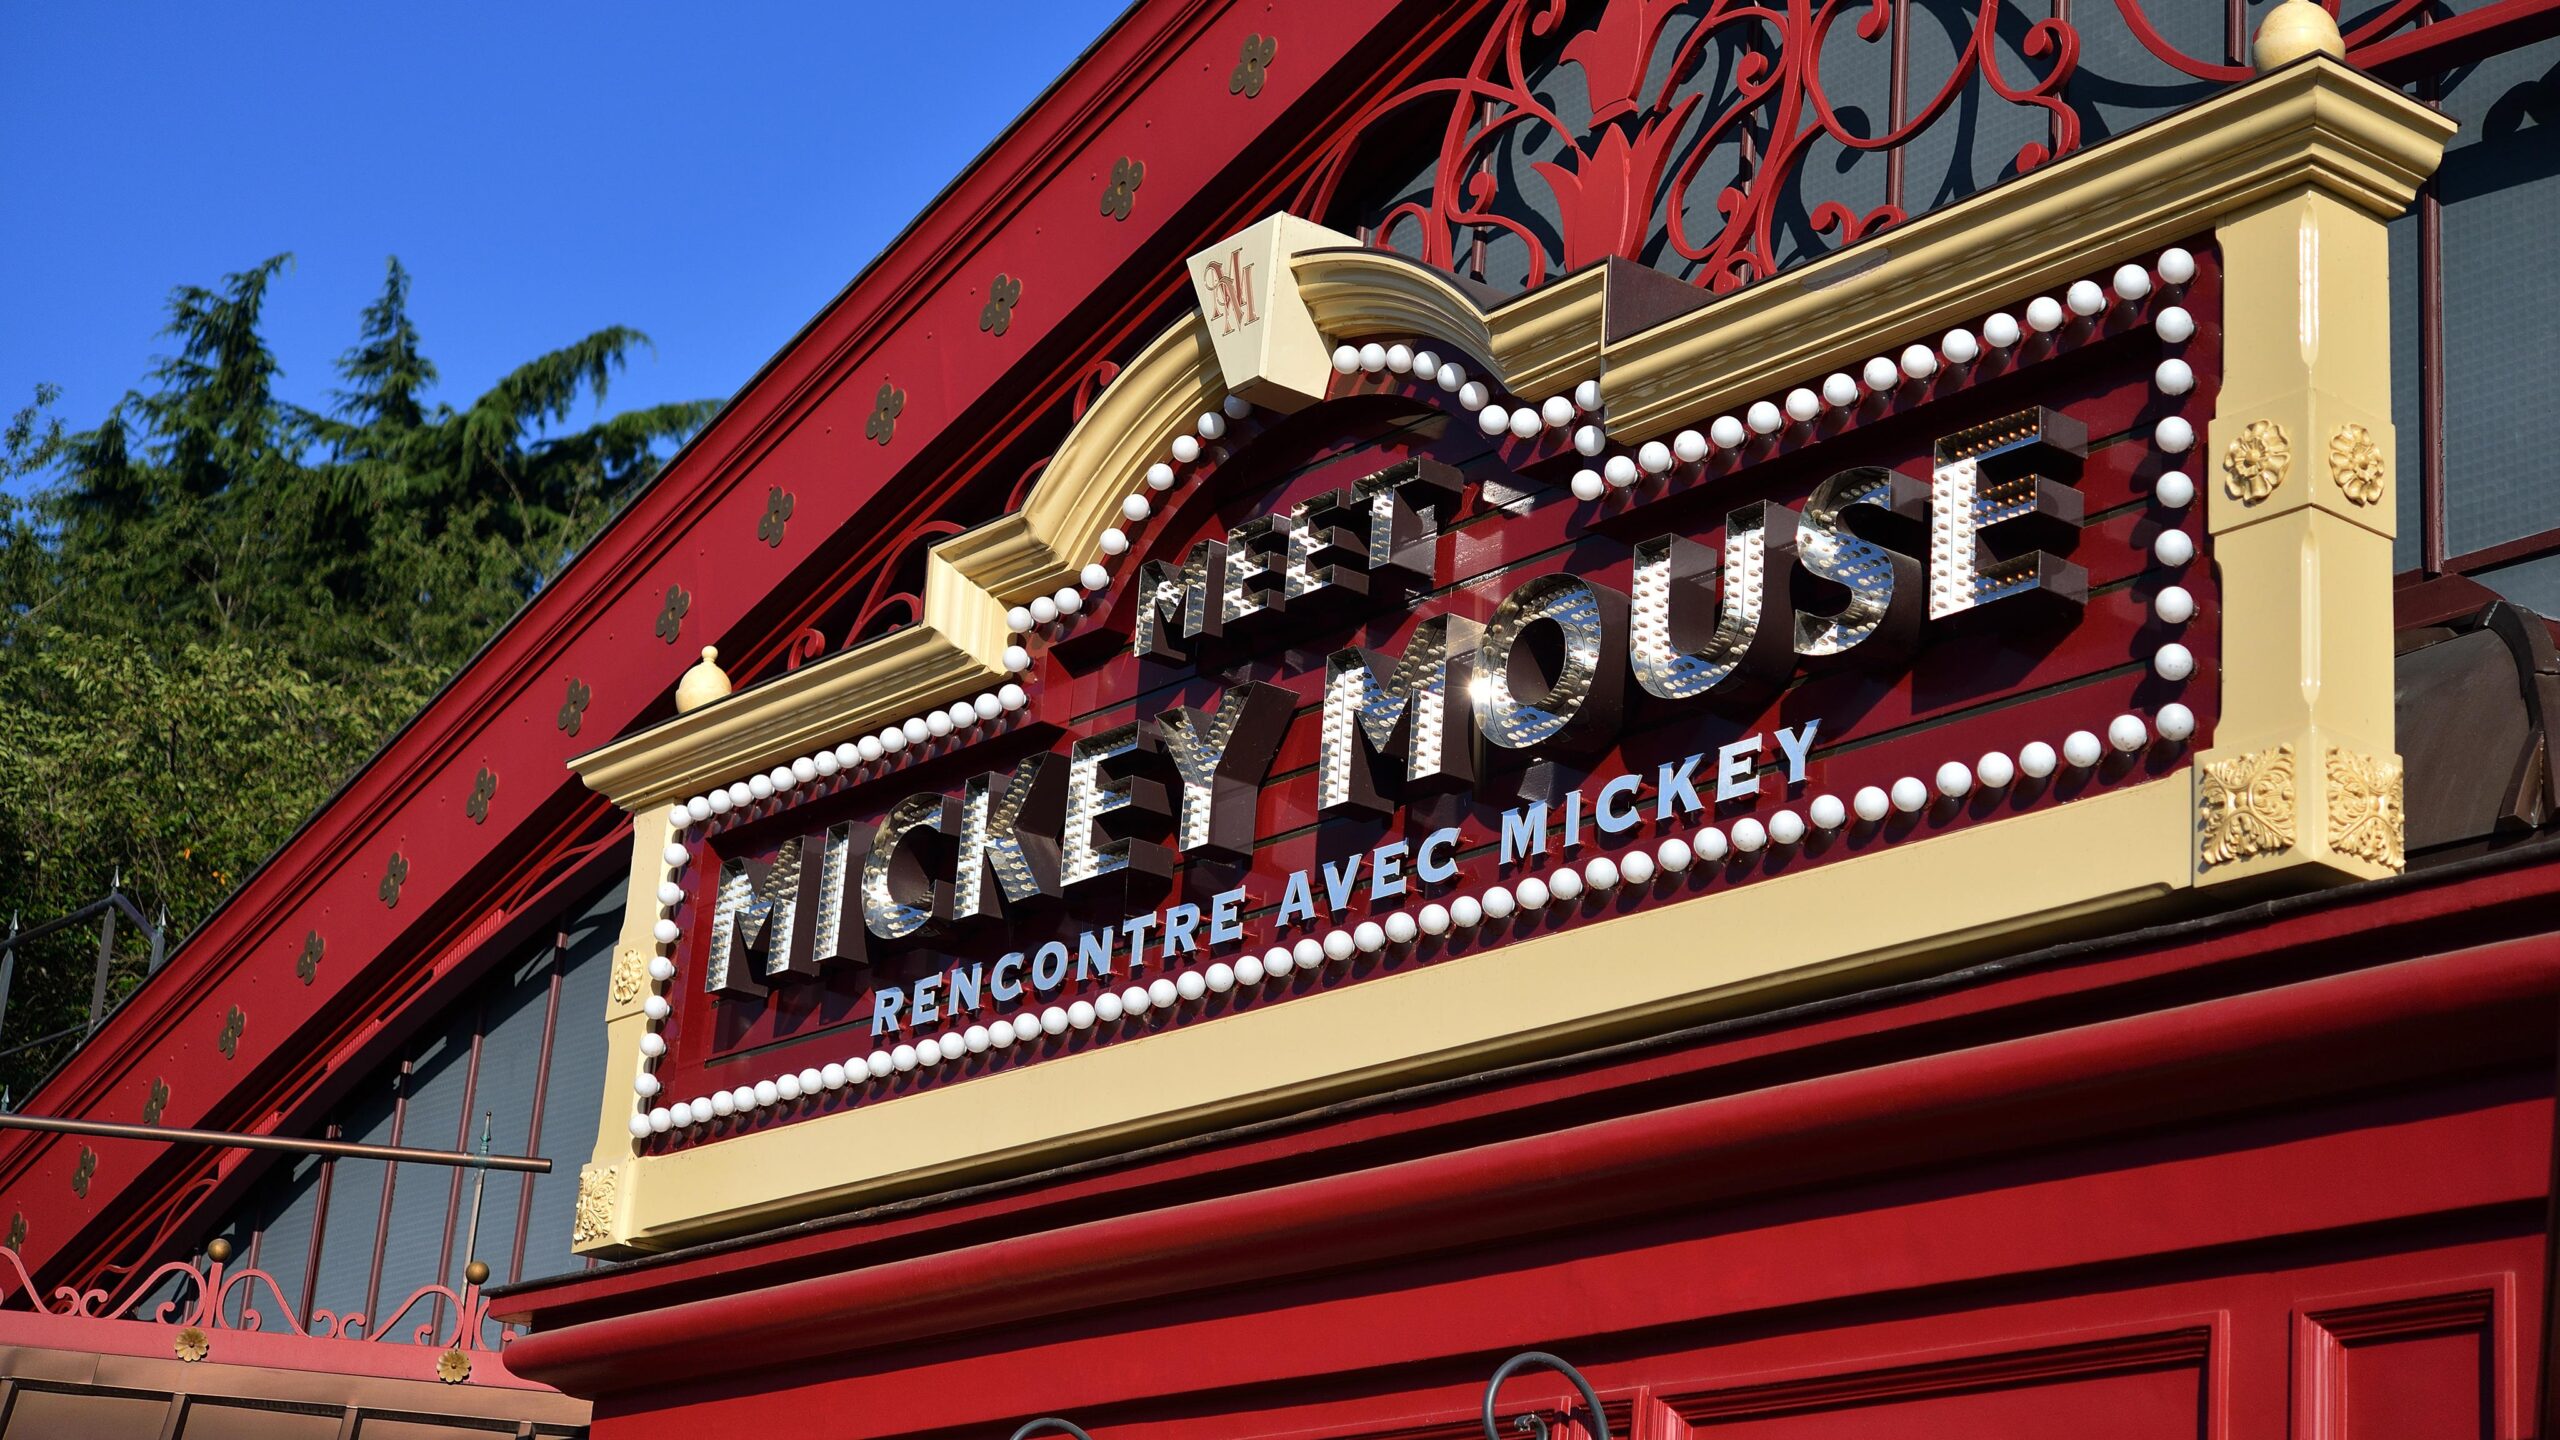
(477, 1272)
(2294, 29)
(704, 683)
(220, 1250)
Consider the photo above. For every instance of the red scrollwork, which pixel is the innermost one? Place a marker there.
(2148, 35)
(203, 1300)
(1629, 173)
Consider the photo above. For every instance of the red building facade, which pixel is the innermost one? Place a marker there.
(1808, 722)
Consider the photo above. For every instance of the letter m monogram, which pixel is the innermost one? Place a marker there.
(1230, 287)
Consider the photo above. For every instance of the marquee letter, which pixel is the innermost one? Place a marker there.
(1014, 833)
(1220, 758)
(1884, 607)
(1178, 606)
(1534, 695)
(1415, 707)
(1989, 494)
(1105, 790)
(1691, 636)
(898, 888)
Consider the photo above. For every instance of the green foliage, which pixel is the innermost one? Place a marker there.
(218, 603)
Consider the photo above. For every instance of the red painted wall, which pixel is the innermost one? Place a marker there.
(2279, 1171)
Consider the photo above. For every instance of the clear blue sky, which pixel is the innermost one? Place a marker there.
(711, 174)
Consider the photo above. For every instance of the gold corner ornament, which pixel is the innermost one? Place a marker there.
(595, 1205)
(2366, 819)
(2356, 465)
(192, 1344)
(453, 1367)
(2256, 461)
(628, 972)
(2245, 806)
(702, 682)
(2293, 30)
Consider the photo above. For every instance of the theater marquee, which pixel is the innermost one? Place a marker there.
(1376, 685)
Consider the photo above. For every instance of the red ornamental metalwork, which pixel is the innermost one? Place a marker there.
(206, 1297)
(1646, 149)
(2374, 27)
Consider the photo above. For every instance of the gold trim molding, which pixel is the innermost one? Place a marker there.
(2244, 806)
(2365, 815)
(2256, 461)
(595, 1205)
(2357, 465)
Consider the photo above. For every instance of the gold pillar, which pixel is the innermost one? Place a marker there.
(2302, 779)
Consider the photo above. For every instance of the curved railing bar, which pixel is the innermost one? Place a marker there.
(1534, 1420)
(1050, 1422)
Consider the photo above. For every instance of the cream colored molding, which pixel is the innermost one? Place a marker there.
(2305, 561)
(2293, 175)
(1271, 349)
(1634, 973)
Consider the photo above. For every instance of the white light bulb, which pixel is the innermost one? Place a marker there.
(2127, 733)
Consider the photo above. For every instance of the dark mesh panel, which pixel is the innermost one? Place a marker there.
(2500, 185)
(507, 1008)
(2407, 382)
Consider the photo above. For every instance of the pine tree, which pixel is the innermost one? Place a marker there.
(218, 603)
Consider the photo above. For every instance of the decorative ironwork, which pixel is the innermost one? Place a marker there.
(1126, 176)
(996, 316)
(671, 615)
(395, 873)
(156, 1103)
(1252, 64)
(778, 504)
(307, 964)
(1048, 1423)
(573, 710)
(2375, 26)
(2256, 461)
(1535, 1422)
(87, 1170)
(2366, 819)
(2356, 465)
(484, 788)
(216, 1297)
(2246, 806)
(1633, 170)
(886, 407)
(228, 1042)
(806, 646)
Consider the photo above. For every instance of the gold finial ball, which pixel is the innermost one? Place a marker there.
(2294, 29)
(220, 1250)
(704, 683)
(477, 1272)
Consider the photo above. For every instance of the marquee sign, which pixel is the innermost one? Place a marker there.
(1425, 667)
(1431, 683)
